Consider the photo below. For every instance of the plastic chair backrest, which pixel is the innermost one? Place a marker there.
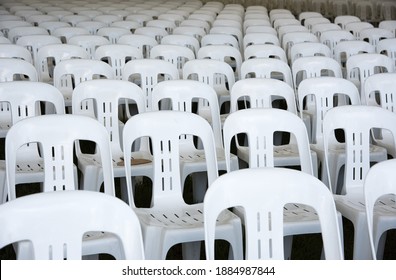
(388, 48)
(177, 55)
(142, 42)
(113, 33)
(378, 182)
(64, 217)
(183, 94)
(56, 53)
(324, 90)
(343, 20)
(266, 68)
(332, 37)
(318, 29)
(264, 213)
(65, 33)
(12, 69)
(155, 32)
(196, 32)
(260, 39)
(34, 42)
(375, 35)
(164, 129)
(16, 32)
(182, 40)
(383, 87)
(259, 126)
(147, 73)
(219, 39)
(117, 55)
(265, 51)
(15, 51)
(106, 96)
(260, 93)
(309, 49)
(314, 66)
(56, 136)
(234, 31)
(89, 42)
(357, 137)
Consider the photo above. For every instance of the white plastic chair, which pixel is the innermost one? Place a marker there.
(12, 69)
(182, 40)
(291, 38)
(35, 20)
(358, 159)
(61, 238)
(267, 68)
(104, 98)
(91, 26)
(318, 29)
(224, 53)
(142, 42)
(147, 73)
(260, 39)
(65, 33)
(388, 48)
(379, 192)
(16, 32)
(107, 19)
(74, 19)
(167, 25)
(313, 21)
(155, 32)
(15, 51)
(89, 42)
(375, 35)
(218, 74)
(379, 90)
(6, 25)
(18, 103)
(361, 66)
(323, 93)
(260, 29)
(309, 49)
(219, 39)
(49, 56)
(389, 25)
(112, 33)
(265, 51)
(234, 31)
(183, 94)
(196, 32)
(343, 20)
(265, 212)
(170, 220)
(177, 55)
(117, 55)
(332, 37)
(282, 30)
(71, 72)
(356, 27)
(127, 24)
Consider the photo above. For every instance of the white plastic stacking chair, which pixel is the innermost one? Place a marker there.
(324, 93)
(104, 98)
(52, 25)
(379, 90)
(219, 39)
(257, 22)
(265, 51)
(388, 48)
(282, 30)
(12, 69)
(15, 51)
(260, 29)
(18, 103)
(57, 150)
(65, 33)
(142, 42)
(361, 66)
(147, 73)
(278, 187)
(196, 32)
(170, 220)
(15, 33)
(117, 55)
(155, 32)
(356, 27)
(167, 25)
(107, 19)
(224, 53)
(91, 26)
(74, 19)
(89, 42)
(260, 39)
(142, 19)
(6, 25)
(311, 22)
(357, 163)
(389, 25)
(318, 29)
(332, 37)
(35, 20)
(49, 56)
(217, 74)
(175, 18)
(267, 68)
(374, 35)
(309, 49)
(127, 24)
(234, 31)
(71, 72)
(291, 38)
(177, 55)
(182, 40)
(379, 192)
(112, 33)
(343, 20)
(81, 212)
(182, 94)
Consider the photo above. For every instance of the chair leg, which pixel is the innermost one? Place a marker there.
(191, 250)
